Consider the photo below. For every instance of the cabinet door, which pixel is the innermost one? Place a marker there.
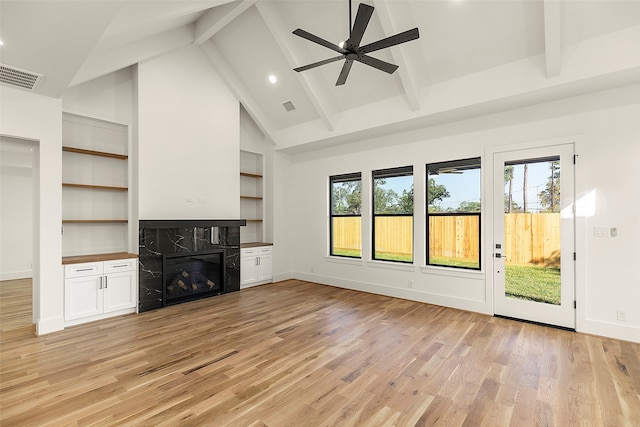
(120, 291)
(248, 269)
(83, 297)
(265, 267)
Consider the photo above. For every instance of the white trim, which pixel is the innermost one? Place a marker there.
(15, 275)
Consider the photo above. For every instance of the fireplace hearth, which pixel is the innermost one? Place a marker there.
(185, 260)
(192, 276)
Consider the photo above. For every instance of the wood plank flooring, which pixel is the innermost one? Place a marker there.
(295, 353)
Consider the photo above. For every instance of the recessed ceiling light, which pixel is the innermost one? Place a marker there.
(1, 43)
(273, 79)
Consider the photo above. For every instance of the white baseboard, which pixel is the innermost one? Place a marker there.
(47, 326)
(14, 275)
(611, 330)
(409, 294)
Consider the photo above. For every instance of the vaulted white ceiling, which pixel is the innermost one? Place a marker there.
(473, 57)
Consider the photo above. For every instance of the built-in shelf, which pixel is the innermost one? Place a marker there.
(94, 187)
(92, 221)
(95, 153)
(250, 175)
(254, 220)
(251, 197)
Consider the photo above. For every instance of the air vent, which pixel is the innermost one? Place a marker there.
(288, 105)
(18, 77)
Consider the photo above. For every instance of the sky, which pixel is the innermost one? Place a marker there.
(460, 190)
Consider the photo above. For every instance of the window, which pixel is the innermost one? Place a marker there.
(393, 214)
(453, 213)
(345, 219)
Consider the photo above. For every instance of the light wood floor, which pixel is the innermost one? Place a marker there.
(301, 354)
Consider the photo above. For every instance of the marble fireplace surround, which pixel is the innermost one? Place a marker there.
(161, 238)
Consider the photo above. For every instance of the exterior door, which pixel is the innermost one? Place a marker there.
(533, 245)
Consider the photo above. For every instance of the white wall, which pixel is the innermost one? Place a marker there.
(189, 139)
(606, 131)
(16, 208)
(38, 118)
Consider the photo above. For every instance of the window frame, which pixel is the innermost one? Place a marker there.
(461, 164)
(390, 173)
(354, 176)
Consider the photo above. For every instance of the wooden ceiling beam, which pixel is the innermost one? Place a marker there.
(409, 85)
(217, 18)
(552, 37)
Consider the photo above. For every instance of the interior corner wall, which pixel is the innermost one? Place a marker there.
(38, 118)
(16, 209)
(188, 139)
(605, 128)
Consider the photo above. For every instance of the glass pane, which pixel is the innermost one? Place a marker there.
(454, 187)
(393, 195)
(532, 230)
(394, 238)
(454, 240)
(346, 236)
(346, 197)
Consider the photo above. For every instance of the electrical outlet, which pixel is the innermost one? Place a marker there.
(409, 284)
(614, 231)
(622, 315)
(191, 199)
(601, 231)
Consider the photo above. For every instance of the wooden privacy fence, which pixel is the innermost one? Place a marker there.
(528, 238)
(532, 239)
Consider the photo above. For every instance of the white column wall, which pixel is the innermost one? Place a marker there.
(38, 118)
(189, 142)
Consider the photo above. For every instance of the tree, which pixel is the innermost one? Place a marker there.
(469, 207)
(405, 202)
(524, 188)
(508, 200)
(550, 196)
(435, 193)
(346, 197)
(384, 199)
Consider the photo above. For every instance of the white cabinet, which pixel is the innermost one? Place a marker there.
(96, 290)
(256, 265)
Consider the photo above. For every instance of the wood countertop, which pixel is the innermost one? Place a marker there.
(77, 259)
(254, 245)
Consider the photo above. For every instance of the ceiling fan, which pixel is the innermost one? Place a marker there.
(351, 49)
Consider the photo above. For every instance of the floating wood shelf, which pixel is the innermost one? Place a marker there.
(95, 187)
(251, 197)
(95, 153)
(250, 175)
(92, 221)
(254, 220)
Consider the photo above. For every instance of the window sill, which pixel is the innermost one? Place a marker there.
(391, 265)
(345, 260)
(454, 272)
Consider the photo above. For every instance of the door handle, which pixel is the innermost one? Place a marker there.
(100, 287)
(105, 282)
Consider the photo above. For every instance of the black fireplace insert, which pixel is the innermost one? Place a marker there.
(192, 276)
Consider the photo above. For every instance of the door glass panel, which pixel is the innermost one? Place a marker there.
(532, 230)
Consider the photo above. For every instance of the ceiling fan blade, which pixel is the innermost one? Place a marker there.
(360, 25)
(391, 41)
(319, 63)
(377, 63)
(322, 42)
(342, 78)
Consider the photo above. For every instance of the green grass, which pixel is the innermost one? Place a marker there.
(453, 262)
(391, 256)
(356, 253)
(533, 283)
